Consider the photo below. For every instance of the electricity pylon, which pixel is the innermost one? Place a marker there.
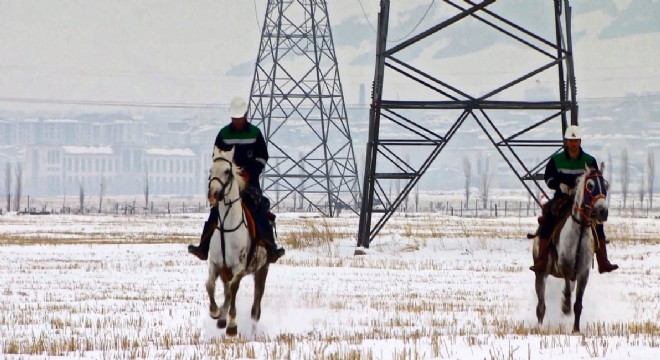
(297, 100)
(442, 101)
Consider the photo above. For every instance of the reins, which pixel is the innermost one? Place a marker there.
(586, 217)
(228, 205)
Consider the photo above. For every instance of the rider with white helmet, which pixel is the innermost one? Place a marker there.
(561, 173)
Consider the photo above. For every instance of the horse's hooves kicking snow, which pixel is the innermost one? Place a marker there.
(232, 330)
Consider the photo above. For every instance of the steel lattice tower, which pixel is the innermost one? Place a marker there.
(453, 102)
(297, 100)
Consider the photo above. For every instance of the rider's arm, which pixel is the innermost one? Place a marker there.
(260, 154)
(220, 142)
(551, 177)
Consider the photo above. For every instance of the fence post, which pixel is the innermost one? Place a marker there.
(495, 209)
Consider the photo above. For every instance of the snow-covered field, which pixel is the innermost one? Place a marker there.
(430, 286)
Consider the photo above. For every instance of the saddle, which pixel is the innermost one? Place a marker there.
(563, 214)
(262, 241)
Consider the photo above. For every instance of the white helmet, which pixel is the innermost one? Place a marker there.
(573, 132)
(238, 107)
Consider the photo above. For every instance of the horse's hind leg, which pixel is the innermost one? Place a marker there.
(259, 286)
(577, 307)
(232, 327)
(210, 289)
(222, 317)
(540, 294)
(566, 303)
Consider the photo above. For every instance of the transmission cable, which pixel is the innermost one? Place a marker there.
(428, 9)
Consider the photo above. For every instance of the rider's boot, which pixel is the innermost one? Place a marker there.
(604, 265)
(274, 252)
(541, 263)
(202, 250)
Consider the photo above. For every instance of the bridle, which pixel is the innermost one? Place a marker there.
(594, 189)
(225, 189)
(593, 184)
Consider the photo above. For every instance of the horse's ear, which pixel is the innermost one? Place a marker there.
(216, 151)
(602, 167)
(230, 153)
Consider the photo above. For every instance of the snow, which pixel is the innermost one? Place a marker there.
(104, 150)
(429, 287)
(170, 152)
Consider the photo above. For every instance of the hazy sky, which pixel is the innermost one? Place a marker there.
(166, 51)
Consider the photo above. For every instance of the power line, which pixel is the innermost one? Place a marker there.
(256, 15)
(419, 22)
(112, 103)
(649, 97)
(428, 9)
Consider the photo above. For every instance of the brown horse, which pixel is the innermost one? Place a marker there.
(231, 245)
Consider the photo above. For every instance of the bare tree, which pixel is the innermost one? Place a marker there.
(486, 182)
(625, 175)
(650, 176)
(8, 185)
(19, 187)
(301, 200)
(467, 171)
(101, 192)
(417, 197)
(81, 198)
(642, 188)
(146, 186)
(63, 198)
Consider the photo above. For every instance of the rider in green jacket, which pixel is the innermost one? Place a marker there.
(251, 154)
(561, 173)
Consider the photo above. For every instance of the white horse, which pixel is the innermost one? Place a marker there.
(232, 255)
(576, 243)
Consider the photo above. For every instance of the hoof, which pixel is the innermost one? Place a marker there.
(214, 313)
(232, 330)
(222, 323)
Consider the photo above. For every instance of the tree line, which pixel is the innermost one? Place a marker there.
(646, 183)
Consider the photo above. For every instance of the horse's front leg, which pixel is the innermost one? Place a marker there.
(566, 303)
(222, 317)
(259, 286)
(540, 294)
(577, 307)
(232, 327)
(210, 289)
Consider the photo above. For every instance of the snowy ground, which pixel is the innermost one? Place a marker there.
(430, 286)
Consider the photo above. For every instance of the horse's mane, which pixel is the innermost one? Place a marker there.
(579, 185)
(237, 175)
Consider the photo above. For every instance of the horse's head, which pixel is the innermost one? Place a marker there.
(224, 175)
(591, 195)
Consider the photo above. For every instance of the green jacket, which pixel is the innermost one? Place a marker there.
(562, 169)
(250, 151)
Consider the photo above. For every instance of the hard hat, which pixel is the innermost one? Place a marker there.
(573, 132)
(238, 107)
